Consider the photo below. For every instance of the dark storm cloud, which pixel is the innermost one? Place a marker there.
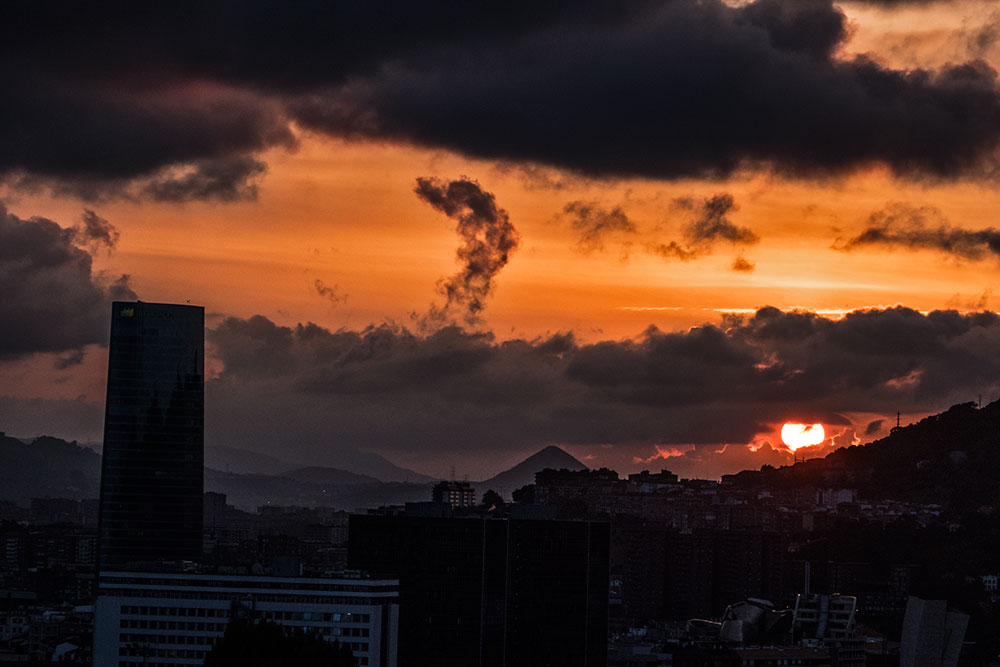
(389, 389)
(102, 95)
(487, 236)
(50, 300)
(594, 224)
(110, 101)
(167, 140)
(809, 27)
(924, 228)
(689, 88)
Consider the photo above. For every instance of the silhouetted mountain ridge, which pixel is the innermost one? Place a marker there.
(47, 467)
(524, 472)
(242, 461)
(335, 476)
(951, 458)
(319, 487)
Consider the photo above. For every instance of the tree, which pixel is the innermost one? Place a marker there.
(492, 498)
(267, 644)
(524, 495)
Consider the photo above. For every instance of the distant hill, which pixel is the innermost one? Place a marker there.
(47, 468)
(53, 468)
(242, 461)
(377, 466)
(952, 459)
(333, 476)
(317, 487)
(524, 472)
(231, 459)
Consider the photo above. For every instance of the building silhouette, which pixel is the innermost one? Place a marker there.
(932, 635)
(174, 619)
(153, 456)
(454, 494)
(479, 592)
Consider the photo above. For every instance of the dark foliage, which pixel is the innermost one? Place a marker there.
(952, 458)
(492, 499)
(267, 644)
(524, 494)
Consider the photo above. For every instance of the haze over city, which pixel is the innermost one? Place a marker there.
(649, 233)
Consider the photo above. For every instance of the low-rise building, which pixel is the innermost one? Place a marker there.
(174, 619)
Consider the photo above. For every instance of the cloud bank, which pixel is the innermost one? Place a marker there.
(181, 101)
(51, 300)
(464, 392)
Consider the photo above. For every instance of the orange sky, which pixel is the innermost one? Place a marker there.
(346, 214)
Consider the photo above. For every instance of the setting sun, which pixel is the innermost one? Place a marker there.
(802, 435)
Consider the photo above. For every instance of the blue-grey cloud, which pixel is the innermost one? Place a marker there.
(50, 298)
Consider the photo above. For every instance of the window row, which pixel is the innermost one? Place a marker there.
(174, 611)
(172, 625)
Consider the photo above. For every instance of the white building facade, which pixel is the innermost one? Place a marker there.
(174, 619)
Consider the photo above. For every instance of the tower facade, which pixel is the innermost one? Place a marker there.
(152, 471)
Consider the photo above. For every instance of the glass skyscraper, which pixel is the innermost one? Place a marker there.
(152, 470)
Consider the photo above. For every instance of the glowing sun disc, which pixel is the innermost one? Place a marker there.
(802, 435)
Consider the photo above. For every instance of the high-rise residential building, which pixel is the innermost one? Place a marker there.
(153, 457)
(479, 592)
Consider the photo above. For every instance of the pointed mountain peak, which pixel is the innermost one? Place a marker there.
(524, 472)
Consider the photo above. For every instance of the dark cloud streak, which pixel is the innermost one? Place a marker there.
(924, 228)
(96, 231)
(709, 225)
(331, 293)
(488, 238)
(595, 224)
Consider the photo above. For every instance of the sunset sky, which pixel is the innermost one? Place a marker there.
(648, 232)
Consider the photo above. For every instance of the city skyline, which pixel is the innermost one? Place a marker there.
(284, 184)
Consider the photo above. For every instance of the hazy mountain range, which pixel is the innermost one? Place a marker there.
(50, 467)
(952, 458)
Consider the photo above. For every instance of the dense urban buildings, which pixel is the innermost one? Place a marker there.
(174, 619)
(492, 592)
(773, 568)
(454, 494)
(153, 455)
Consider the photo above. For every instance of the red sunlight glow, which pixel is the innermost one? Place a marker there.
(802, 435)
